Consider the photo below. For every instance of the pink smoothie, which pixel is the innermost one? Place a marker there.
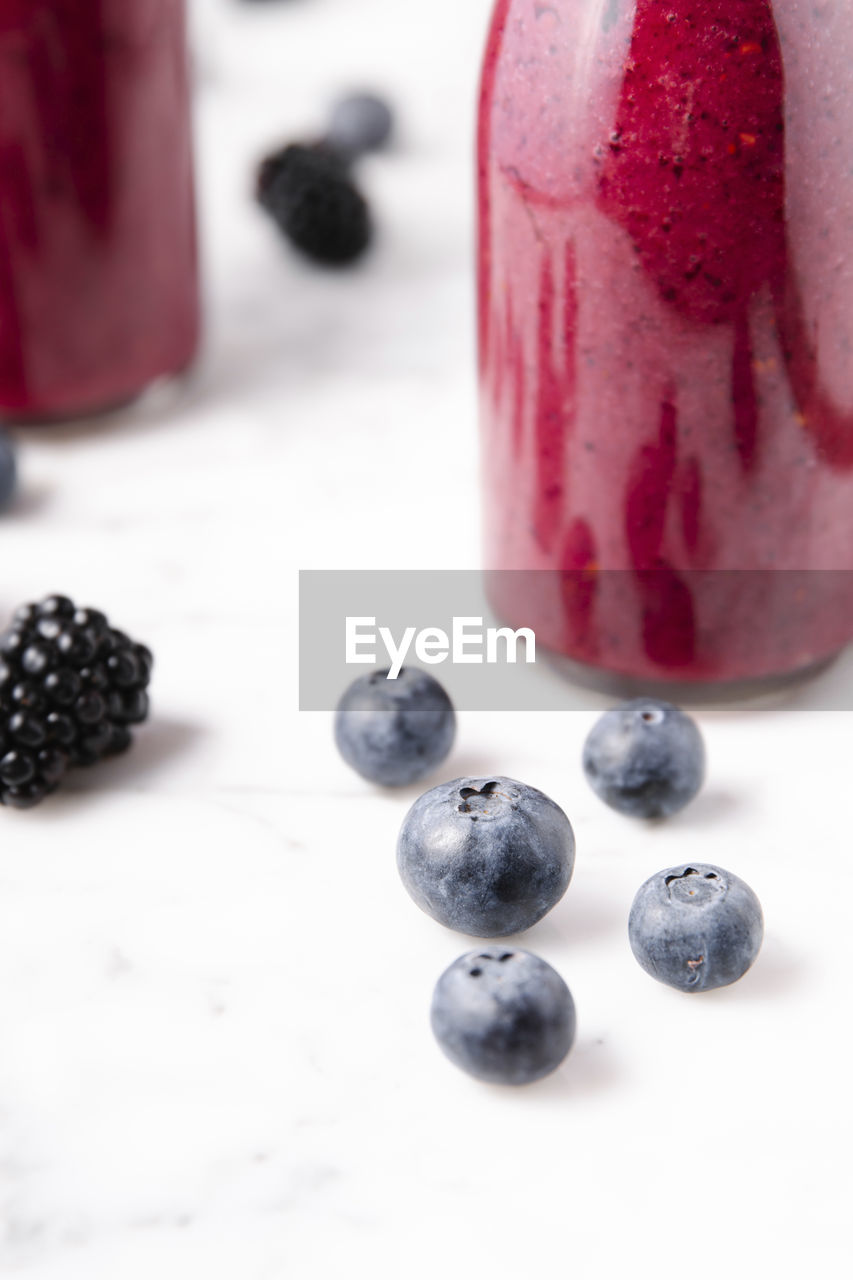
(666, 331)
(98, 287)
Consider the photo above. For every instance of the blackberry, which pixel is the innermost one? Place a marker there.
(70, 688)
(307, 190)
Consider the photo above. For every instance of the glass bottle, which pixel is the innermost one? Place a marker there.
(98, 278)
(666, 332)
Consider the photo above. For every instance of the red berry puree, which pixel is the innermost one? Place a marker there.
(666, 331)
(98, 288)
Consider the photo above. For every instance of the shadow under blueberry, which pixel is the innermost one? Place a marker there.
(590, 1067)
(776, 972)
(577, 919)
(713, 804)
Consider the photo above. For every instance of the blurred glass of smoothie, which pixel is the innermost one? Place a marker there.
(98, 277)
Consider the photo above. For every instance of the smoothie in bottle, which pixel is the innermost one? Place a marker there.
(666, 331)
(98, 287)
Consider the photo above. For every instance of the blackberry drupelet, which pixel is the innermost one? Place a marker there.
(70, 688)
(310, 195)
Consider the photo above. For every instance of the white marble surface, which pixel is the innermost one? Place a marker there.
(215, 1060)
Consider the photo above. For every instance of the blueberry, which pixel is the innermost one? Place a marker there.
(695, 927)
(645, 758)
(8, 471)
(486, 856)
(395, 731)
(503, 1016)
(359, 122)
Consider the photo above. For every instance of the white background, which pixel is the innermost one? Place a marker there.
(215, 1058)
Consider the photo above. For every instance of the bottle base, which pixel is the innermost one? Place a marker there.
(696, 692)
(164, 391)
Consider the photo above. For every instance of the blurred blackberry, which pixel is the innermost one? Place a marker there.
(70, 688)
(309, 193)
